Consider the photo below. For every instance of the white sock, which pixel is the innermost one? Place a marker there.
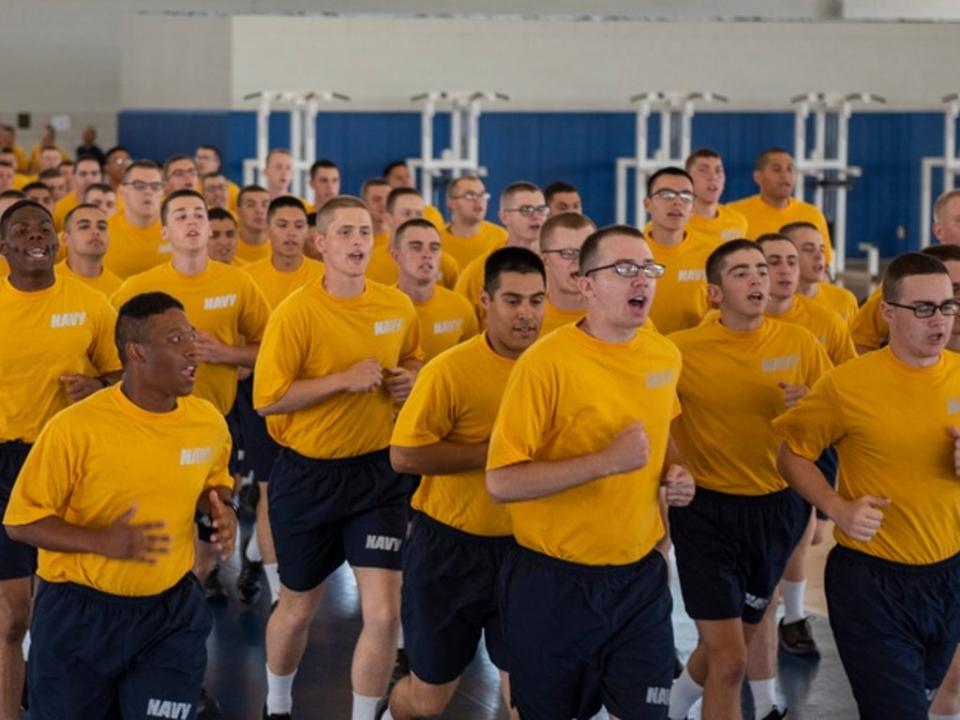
(364, 708)
(25, 647)
(400, 644)
(273, 580)
(764, 695)
(684, 693)
(253, 548)
(955, 716)
(387, 715)
(793, 593)
(279, 693)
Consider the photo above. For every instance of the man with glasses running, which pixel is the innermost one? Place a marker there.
(523, 211)
(682, 292)
(561, 238)
(583, 437)
(135, 241)
(893, 581)
(469, 234)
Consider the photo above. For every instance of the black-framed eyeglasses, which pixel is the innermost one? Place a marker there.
(471, 196)
(528, 210)
(685, 196)
(565, 253)
(629, 269)
(924, 310)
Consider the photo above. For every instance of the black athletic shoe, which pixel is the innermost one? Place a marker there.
(207, 707)
(248, 582)
(276, 716)
(248, 497)
(382, 705)
(677, 664)
(213, 587)
(25, 695)
(796, 638)
(775, 714)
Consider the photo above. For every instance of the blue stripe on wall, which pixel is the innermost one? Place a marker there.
(580, 148)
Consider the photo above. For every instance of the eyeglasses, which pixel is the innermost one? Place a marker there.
(924, 310)
(528, 210)
(183, 173)
(140, 185)
(685, 196)
(629, 269)
(565, 253)
(471, 195)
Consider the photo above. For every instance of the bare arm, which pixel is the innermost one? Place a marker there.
(364, 376)
(628, 451)
(211, 350)
(440, 458)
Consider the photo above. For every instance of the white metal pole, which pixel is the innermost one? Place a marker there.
(950, 143)
(263, 132)
(473, 134)
(296, 145)
(621, 186)
(800, 143)
(310, 134)
(819, 152)
(639, 177)
(686, 136)
(426, 145)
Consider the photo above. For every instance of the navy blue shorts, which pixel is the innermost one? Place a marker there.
(580, 636)
(236, 463)
(450, 599)
(896, 626)
(323, 512)
(16, 559)
(260, 451)
(828, 464)
(732, 550)
(94, 655)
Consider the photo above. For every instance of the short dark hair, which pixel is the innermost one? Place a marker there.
(69, 217)
(212, 148)
(89, 158)
(516, 187)
(510, 259)
(912, 263)
(372, 182)
(703, 152)
(135, 314)
(717, 260)
(390, 167)
(798, 225)
(7, 216)
(669, 171)
(35, 185)
(176, 195)
(412, 223)
(312, 219)
(322, 163)
(398, 193)
(943, 253)
(282, 202)
(219, 213)
(50, 173)
(773, 237)
(11, 193)
(591, 246)
(176, 158)
(141, 165)
(330, 207)
(102, 187)
(247, 189)
(555, 188)
(115, 149)
(764, 155)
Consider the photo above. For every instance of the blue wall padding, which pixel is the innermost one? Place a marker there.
(577, 147)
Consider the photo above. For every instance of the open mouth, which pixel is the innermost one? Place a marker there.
(756, 296)
(936, 338)
(40, 253)
(190, 372)
(639, 301)
(356, 256)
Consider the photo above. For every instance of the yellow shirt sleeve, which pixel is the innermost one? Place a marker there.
(870, 331)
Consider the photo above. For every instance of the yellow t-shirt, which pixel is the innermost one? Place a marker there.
(106, 282)
(447, 403)
(763, 218)
(868, 327)
(889, 424)
(831, 331)
(313, 334)
(466, 249)
(100, 457)
(62, 207)
(445, 320)
(680, 300)
(554, 317)
(277, 285)
(20, 181)
(431, 214)
(233, 195)
(836, 298)
(132, 249)
(21, 157)
(383, 268)
(253, 253)
(730, 395)
(222, 301)
(568, 396)
(729, 224)
(33, 162)
(66, 329)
